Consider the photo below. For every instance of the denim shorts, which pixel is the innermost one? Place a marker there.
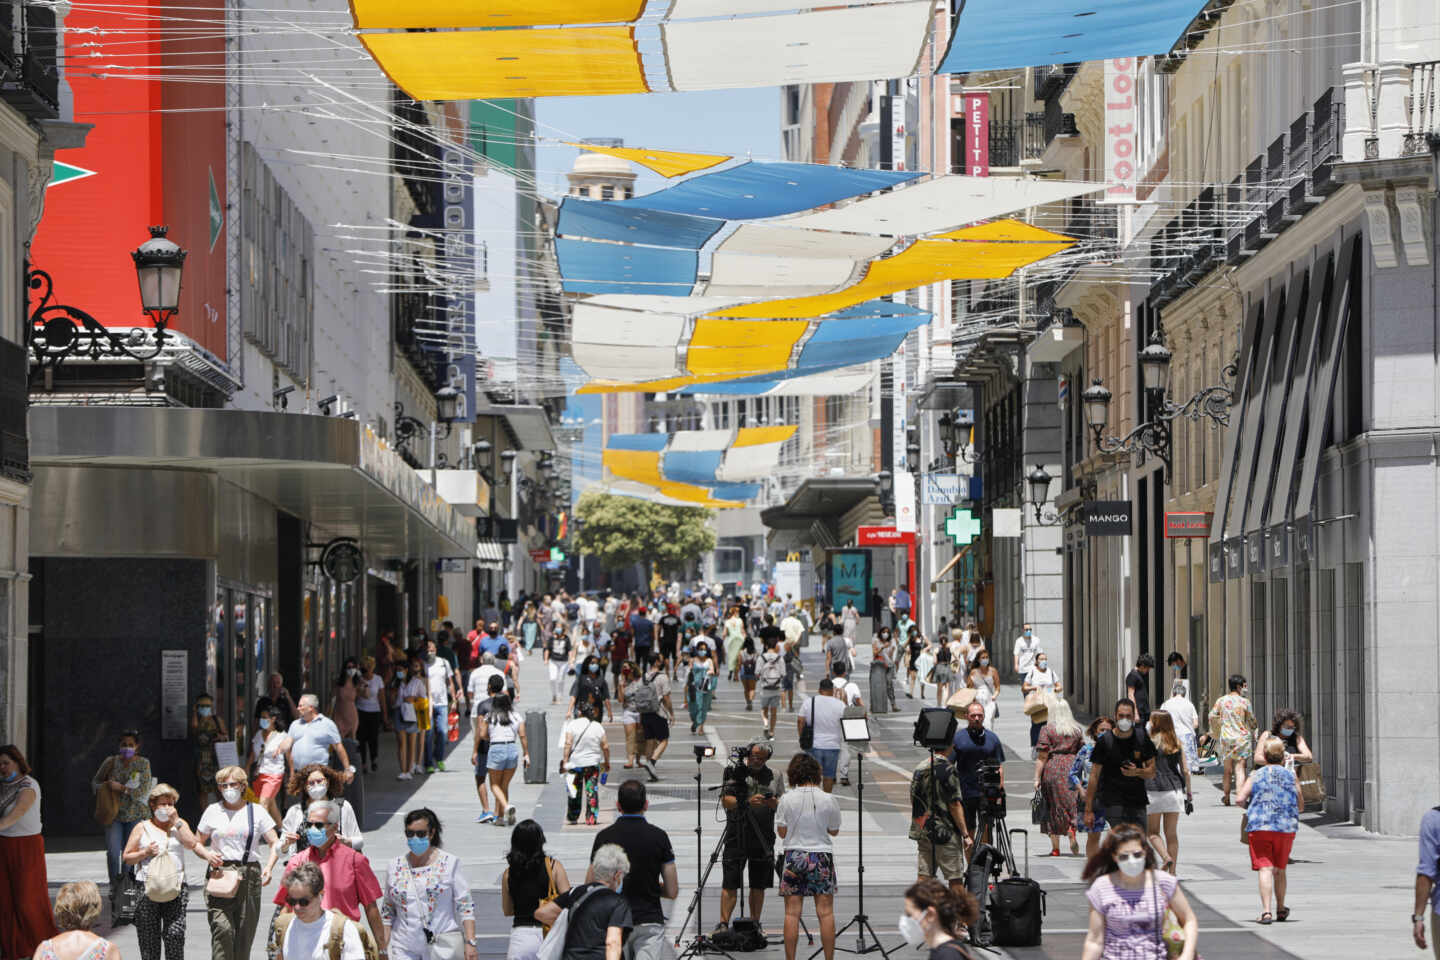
(828, 759)
(503, 756)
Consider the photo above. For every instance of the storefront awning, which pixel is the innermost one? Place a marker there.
(820, 498)
(329, 471)
(527, 421)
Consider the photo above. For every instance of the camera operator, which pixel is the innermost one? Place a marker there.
(975, 747)
(751, 794)
(938, 819)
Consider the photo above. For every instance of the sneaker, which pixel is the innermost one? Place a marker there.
(749, 706)
(431, 768)
(416, 769)
(844, 781)
(440, 765)
(485, 817)
(404, 776)
(510, 815)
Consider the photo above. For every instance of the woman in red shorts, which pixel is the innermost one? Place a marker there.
(1273, 804)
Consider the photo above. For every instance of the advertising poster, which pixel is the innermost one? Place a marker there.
(850, 580)
(174, 694)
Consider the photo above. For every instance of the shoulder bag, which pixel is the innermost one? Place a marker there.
(1169, 932)
(553, 946)
(224, 882)
(807, 736)
(107, 804)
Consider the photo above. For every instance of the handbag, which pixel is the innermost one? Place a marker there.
(126, 899)
(423, 717)
(1245, 829)
(1312, 784)
(1035, 707)
(224, 882)
(550, 892)
(1168, 932)
(107, 804)
(162, 876)
(1039, 808)
(447, 946)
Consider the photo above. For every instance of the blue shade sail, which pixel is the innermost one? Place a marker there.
(867, 331)
(757, 189)
(734, 491)
(607, 220)
(652, 442)
(619, 268)
(1006, 34)
(691, 466)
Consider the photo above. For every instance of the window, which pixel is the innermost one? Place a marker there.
(275, 303)
(607, 192)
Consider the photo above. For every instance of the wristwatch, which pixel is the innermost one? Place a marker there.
(1417, 918)
(469, 942)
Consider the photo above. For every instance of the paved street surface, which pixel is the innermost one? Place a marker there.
(1350, 891)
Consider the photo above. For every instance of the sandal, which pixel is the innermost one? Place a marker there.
(1266, 919)
(1282, 914)
(1225, 800)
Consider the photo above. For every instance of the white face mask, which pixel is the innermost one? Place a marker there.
(911, 930)
(1132, 865)
(317, 791)
(1124, 724)
(163, 814)
(231, 794)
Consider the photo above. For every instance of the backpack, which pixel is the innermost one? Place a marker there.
(642, 697)
(162, 877)
(336, 945)
(772, 670)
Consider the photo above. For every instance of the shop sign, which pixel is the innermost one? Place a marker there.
(450, 565)
(977, 134)
(1107, 518)
(905, 501)
(883, 537)
(1120, 138)
(1187, 523)
(943, 489)
(541, 555)
(174, 694)
(1217, 563)
(342, 560)
(1279, 546)
(1255, 552)
(1235, 558)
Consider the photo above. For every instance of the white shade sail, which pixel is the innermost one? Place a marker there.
(701, 9)
(757, 260)
(609, 342)
(854, 43)
(942, 203)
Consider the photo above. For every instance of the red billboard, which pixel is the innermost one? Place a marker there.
(977, 134)
(156, 155)
(883, 537)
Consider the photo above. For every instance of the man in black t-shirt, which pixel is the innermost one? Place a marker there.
(652, 875)
(1121, 762)
(751, 793)
(601, 920)
(643, 629)
(557, 661)
(670, 633)
(1137, 686)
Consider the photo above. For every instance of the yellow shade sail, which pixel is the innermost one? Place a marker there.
(667, 163)
(739, 348)
(404, 14)
(972, 253)
(700, 496)
(642, 466)
(755, 436)
(496, 64)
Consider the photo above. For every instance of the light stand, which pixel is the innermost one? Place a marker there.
(857, 730)
(700, 944)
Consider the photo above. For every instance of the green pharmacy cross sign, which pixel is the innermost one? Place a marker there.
(962, 527)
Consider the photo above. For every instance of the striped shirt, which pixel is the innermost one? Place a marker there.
(1133, 918)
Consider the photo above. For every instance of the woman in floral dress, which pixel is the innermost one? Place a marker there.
(206, 729)
(1233, 725)
(1059, 742)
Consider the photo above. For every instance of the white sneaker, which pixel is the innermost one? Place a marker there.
(404, 776)
(419, 769)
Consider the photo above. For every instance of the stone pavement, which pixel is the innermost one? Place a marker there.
(1336, 861)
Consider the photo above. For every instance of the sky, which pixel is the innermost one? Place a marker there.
(734, 122)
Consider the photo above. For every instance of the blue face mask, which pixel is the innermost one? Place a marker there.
(14, 775)
(418, 845)
(594, 668)
(205, 711)
(264, 723)
(316, 836)
(1287, 731)
(400, 674)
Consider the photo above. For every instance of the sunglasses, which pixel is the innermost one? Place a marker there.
(418, 834)
(299, 901)
(317, 826)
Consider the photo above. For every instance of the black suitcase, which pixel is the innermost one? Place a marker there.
(1017, 907)
(538, 743)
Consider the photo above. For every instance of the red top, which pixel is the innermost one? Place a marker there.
(349, 881)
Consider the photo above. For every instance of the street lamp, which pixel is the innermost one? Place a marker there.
(58, 331)
(447, 402)
(1039, 482)
(1153, 436)
(885, 488)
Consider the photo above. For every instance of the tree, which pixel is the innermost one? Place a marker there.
(620, 531)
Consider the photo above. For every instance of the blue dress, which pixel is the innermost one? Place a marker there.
(1080, 779)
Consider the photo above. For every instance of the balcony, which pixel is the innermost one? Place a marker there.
(29, 77)
(1015, 141)
(1051, 79)
(1392, 110)
(1058, 123)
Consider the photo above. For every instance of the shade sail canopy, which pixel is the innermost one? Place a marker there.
(494, 64)
(406, 14)
(754, 454)
(651, 442)
(730, 347)
(700, 9)
(968, 254)
(759, 189)
(674, 494)
(942, 203)
(593, 267)
(704, 467)
(667, 163)
(854, 43)
(612, 343)
(692, 466)
(607, 220)
(830, 384)
(758, 261)
(1003, 34)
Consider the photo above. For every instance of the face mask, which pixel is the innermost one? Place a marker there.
(14, 775)
(1287, 731)
(418, 845)
(316, 836)
(1244, 691)
(231, 794)
(317, 791)
(594, 668)
(1131, 866)
(1041, 664)
(984, 661)
(163, 814)
(1124, 725)
(264, 723)
(1027, 633)
(400, 674)
(204, 711)
(129, 752)
(911, 930)
(354, 671)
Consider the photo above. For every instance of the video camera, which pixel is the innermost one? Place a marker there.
(992, 789)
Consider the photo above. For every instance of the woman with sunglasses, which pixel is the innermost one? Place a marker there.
(1128, 901)
(427, 899)
(308, 934)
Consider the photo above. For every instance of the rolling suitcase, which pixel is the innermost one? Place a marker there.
(539, 746)
(1017, 906)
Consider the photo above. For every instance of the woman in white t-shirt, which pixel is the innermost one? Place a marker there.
(505, 731)
(309, 932)
(234, 831)
(409, 688)
(371, 707)
(585, 753)
(806, 819)
(1040, 678)
(267, 760)
(163, 835)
